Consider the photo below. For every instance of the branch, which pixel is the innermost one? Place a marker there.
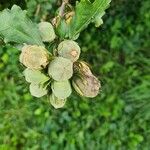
(62, 8)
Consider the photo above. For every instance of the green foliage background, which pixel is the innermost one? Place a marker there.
(118, 119)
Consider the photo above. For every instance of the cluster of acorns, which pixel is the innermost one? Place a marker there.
(56, 75)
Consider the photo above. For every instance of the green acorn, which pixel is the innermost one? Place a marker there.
(35, 76)
(69, 49)
(62, 89)
(60, 69)
(56, 102)
(34, 57)
(47, 31)
(37, 90)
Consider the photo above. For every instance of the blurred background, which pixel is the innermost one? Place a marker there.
(117, 119)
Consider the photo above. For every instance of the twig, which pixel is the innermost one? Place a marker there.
(37, 9)
(62, 8)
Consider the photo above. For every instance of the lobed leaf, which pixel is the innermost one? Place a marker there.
(15, 26)
(85, 12)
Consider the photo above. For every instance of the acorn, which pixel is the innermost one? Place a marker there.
(82, 67)
(35, 76)
(47, 31)
(60, 69)
(84, 82)
(61, 89)
(56, 102)
(69, 49)
(34, 57)
(87, 86)
(37, 90)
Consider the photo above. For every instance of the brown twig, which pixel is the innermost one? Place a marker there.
(62, 8)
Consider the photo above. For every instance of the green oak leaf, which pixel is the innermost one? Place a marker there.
(15, 26)
(61, 89)
(37, 90)
(85, 11)
(56, 102)
(35, 76)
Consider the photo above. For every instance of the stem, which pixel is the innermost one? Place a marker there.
(37, 9)
(62, 8)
